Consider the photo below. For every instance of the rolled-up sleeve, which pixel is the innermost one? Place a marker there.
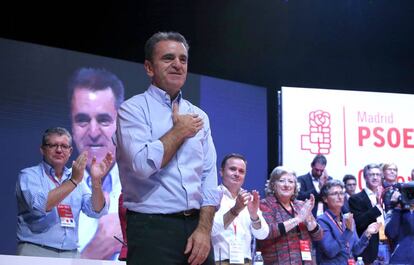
(87, 206)
(210, 194)
(134, 141)
(263, 231)
(29, 190)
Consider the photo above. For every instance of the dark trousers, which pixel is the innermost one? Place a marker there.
(160, 239)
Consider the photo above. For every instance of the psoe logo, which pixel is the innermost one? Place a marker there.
(318, 139)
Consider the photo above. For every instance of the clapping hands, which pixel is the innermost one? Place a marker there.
(99, 170)
(305, 213)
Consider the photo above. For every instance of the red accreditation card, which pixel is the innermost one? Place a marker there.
(66, 215)
(305, 250)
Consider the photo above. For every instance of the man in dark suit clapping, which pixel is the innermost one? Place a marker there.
(367, 209)
(312, 182)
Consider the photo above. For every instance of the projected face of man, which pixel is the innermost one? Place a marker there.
(93, 115)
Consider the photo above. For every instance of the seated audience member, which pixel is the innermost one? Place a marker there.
(312, 182)
(366, 208)
(50, 198)
(239, 216)
(340, 243)
(350, 187)
(400, 229)
(291, 223)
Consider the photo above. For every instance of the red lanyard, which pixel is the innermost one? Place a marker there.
(51, 177)
(333, 220)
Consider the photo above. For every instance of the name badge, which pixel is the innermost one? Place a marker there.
(236, 251)
(305, 250)
(66, 215)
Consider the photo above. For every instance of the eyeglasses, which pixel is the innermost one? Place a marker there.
(285, 181)
(374, 175)
(351, 184)
(64, 147)
(338, 193)
(392, 169)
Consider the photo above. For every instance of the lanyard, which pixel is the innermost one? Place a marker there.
(341, 229)
(57, 184)
(292, 214)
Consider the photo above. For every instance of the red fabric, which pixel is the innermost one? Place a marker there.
(122, 218)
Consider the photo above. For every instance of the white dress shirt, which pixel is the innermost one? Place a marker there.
(241, 227)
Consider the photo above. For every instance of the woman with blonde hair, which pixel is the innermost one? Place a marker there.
(291, 223)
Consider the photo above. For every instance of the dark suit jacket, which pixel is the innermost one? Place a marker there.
(345, 207)
(306, 189)
(365, 214)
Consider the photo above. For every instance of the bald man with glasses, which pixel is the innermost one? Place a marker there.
(51, 196)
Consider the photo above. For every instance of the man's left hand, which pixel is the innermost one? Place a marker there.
(253, 204)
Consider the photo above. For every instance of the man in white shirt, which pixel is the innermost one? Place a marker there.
(239, 216)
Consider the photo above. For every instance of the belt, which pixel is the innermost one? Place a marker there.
(49, 248)
(186, 213)
(246, 260)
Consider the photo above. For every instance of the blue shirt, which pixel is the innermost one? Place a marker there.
(188, 181)
(337, 245)
(37, 226)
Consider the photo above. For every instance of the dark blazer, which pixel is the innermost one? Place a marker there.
(345, 207)
(365, 214)
(306, 189)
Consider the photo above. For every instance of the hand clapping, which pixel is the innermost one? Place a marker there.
(99, 170)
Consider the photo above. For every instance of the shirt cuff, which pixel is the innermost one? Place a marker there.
(156, 153)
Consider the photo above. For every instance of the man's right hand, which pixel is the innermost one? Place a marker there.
(241, 201)
(188, 124)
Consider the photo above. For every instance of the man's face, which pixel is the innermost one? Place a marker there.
(93, 115)
(350, 186)
(317, 170)
(233, 173)
(168, 69)
(373, 178)
(57, 150)
(390, 174)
